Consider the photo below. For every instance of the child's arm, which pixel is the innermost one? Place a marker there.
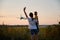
(36, 17)
(37, 20)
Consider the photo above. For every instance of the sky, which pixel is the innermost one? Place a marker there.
(48, 11)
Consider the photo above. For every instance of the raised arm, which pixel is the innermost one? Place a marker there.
(25, 12)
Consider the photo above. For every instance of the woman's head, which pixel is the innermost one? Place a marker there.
(31, 14)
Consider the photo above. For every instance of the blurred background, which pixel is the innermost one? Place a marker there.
(14, 25)
(12, 10)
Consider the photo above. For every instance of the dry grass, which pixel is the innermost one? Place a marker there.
(22, 33)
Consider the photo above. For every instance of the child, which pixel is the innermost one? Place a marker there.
(36, 18)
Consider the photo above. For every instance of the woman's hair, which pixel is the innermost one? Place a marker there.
(31, 14)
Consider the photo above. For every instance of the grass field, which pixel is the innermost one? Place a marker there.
(51, 32)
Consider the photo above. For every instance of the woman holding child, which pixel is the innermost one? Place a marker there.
(33, 24)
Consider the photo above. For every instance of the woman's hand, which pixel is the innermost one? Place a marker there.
(24, 8)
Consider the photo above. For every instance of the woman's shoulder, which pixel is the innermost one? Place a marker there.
(29, 18)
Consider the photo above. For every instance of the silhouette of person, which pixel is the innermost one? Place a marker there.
(32, 24)
(37, 24)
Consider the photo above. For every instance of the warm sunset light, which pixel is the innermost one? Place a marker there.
(48, 11)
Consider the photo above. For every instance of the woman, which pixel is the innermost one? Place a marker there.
(32, 24)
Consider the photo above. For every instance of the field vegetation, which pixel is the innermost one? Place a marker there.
(51, 32)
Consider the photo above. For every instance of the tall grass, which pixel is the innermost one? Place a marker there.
(51, 32)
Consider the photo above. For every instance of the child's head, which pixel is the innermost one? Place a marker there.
(31, 14)
(35, 13)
